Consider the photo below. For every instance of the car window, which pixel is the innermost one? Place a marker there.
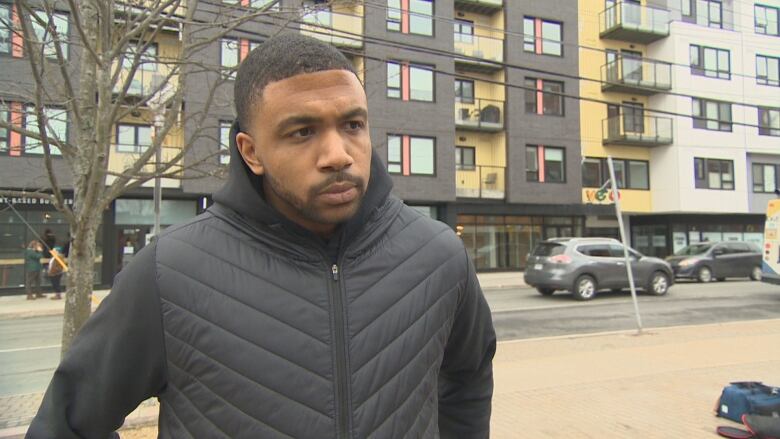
(738, 247)
(616, 251)
(720, 249)
(549, 249)
(694, 249)
(596, 250)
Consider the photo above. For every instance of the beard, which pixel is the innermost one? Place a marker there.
(307, 207)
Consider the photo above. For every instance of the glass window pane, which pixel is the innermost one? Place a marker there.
(620, 173)
(420, 12)
(421, 84)
(394, 149)
(694, 54)
(591, 173)
(224, 142)
(5, 31)
(553, 103)
(421, 156)
(714, 174)
(769, 179)
(551, 37)
(125, 135)
(637, 172)
(723, 60)
(553, 165)
(551, 154)
(144, 136)
(3, 131)
(393, 80)
(229, 53)
(529, 35)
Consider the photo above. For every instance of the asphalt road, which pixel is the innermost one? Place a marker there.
(29, 348)
(523, 313)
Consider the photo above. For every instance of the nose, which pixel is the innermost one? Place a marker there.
(334, 154)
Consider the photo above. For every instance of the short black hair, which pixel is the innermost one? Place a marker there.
(279, 58)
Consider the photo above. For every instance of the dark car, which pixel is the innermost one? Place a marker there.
(584, 266)
(706, 261)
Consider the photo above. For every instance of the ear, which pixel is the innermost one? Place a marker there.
(247, 148)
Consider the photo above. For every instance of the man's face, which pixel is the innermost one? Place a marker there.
(309, 139)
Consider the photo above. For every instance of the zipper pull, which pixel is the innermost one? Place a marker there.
(335, 270)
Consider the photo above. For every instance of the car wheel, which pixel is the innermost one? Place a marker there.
(704, 274)
(756, 273)
(584, 287)
(545, 291)
(659, 284)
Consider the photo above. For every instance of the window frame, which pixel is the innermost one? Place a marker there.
(229, 71)
(5, 139)
(701, 121)
(694, 15)
(54, 151)
(534, 96)
(765, 80)
(531, 38)
(534, 170)
(459, 164)
(400, 162)
(700, 68)
(395, 16)
(459, 91)
(391, 91)
(762, 183)
(768, 130)
(65, 45)
(702, 173)
(137, 148)
(766, 8)
(8, 39)
(626, 182)
(458, 26)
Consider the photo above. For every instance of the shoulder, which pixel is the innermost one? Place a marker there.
(427, 233)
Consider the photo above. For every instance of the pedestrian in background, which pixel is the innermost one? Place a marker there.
(49, 241)
(56, 269)
(32, 265)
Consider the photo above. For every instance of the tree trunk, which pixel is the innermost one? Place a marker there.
(81, 264)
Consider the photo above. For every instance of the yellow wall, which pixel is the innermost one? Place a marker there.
(490, 147)
(484, 25)
(592, 114)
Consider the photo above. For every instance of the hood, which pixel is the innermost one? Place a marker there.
(243, 193)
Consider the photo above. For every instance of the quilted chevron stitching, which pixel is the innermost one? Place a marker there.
(250, 273)
(423, 314)
(420, 412)
(392, 270)
(214, 289)
(247, 378)
(169, 407)
(195, 407)
(244, 339)
(423, 380)
(424, 348)
(226, 402)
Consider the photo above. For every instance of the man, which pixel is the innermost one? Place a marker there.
(306, 302)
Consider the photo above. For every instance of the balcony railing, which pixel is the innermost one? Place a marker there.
(479, 115)
(637, 130)
(484, 48)
(634, 23)
(480, 182)
(480, 6)
(334, 27)
(629, 74)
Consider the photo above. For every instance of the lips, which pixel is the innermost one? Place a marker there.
(339, 193)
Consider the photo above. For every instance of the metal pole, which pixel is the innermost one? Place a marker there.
(619, 214)
(157, 194)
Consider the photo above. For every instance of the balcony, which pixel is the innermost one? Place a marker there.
(637, 130)
(634, 23)
(479, 115)
(485, 49)
(640, 76)
(480, 182)
(486, 7)
(333, 27)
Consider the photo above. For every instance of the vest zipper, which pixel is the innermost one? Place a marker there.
(342, 397)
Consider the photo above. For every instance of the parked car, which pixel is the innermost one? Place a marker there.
(706, 261)
(585, 266)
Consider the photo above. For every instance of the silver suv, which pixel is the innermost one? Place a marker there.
(584, 266)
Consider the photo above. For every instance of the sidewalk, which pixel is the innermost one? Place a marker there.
(19, 307)
(662, 384)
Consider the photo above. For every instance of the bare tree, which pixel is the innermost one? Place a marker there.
(98, 74)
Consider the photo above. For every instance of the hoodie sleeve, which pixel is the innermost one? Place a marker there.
(116, 361)
(466, 377)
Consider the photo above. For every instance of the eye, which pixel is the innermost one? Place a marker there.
(303, 132)
(354, 125)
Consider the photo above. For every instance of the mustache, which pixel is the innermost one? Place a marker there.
(340, 177)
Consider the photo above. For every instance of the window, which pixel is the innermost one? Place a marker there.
(133, 138)
(703, 12)
(542, 36)
(714, 173)
(147, 61)
(464, 31)
(539, 97)
(411, 155)
(766, 20)
(3, 131)
(766, 177)
(768, 121)
(707, 61)
(768, 70)
(544, 164)
(256, 4)
(464, 91)
(45, 35)
(56, 122)
(629, 174)
(465, 157)
(5, 29)
(224, 142)
(711, 115)
(409, 82)
(412, 17)
(229, 55)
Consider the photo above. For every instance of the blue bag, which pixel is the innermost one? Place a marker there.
(748, 397)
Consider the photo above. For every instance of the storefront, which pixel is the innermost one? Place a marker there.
(662, 235)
